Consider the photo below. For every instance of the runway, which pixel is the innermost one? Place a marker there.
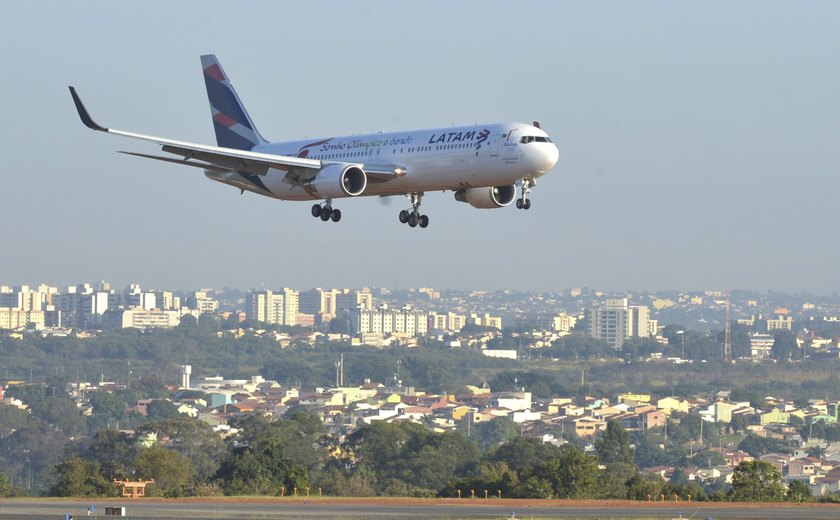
(357, 509)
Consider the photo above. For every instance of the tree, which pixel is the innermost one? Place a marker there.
(114, 452)
(171, 471)
(301, 436)
(614, 445)
(495, 477)
(161, 409)
(739, 422)
(523, 452)
(340, 325)
(109, 410)
(192, 438)
(6, 489)
(33, 450)
(494, 432)
(816, 451)
(649, 453)
(62, 413)
(613, 481)
(798, 491)
(76, 477)
(644, 487)
(408, 458)
(756, 481)
(12, 419)
(262, 469)
(573, 474)
(784, 345)
(758, 446)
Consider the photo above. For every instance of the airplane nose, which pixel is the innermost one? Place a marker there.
(553, 156)
(547, 157)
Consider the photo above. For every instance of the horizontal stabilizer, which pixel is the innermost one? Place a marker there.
(184, 162)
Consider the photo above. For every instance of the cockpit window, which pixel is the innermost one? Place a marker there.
(534, 139)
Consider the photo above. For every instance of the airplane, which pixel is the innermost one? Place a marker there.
(482, 164)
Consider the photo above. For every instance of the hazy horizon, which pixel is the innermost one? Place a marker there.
(697, 143)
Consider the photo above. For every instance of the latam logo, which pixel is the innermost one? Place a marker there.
(460, 137)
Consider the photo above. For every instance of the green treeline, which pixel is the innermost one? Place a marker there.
(264, 456)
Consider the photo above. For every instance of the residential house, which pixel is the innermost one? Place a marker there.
(672, 404)
(588, 426)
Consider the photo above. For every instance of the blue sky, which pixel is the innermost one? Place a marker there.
(697, 142)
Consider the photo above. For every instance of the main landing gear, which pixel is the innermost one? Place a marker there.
(413, 218)
(524, 202)
(326, 212)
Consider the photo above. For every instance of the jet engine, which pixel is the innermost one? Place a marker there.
(487, 198)
(339, 180)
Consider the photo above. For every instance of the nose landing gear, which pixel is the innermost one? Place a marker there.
(413, 218)
(326, 212)
(524, 202)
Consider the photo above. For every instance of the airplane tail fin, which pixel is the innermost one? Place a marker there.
(233, 125)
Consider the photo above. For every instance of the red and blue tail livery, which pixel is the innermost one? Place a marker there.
(233, 125)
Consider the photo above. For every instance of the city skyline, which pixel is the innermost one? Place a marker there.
(696, 143)
(282, 284)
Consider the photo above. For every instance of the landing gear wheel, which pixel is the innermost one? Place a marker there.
(316, 210)
(326, 213)
(413, 217)
(524, 202)
(336, 215)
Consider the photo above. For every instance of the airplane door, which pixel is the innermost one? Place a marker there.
(494, 145)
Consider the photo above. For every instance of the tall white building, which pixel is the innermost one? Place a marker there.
(199, 301)
(278, 308)
(388, 321)
(563, 322)
(449, 322)
(144, 318)
(617, 321)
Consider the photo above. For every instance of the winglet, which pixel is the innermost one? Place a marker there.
(83, 113)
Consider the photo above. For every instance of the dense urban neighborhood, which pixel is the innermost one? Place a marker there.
(583, 394)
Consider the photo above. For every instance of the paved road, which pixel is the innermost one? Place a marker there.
(400, 509)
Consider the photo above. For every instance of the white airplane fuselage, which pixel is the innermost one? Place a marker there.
(431, 160)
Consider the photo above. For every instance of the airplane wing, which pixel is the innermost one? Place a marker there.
(221, 159)
(216, 156)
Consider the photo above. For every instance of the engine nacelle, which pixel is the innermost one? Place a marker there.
(487, 198)
(339, 180)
